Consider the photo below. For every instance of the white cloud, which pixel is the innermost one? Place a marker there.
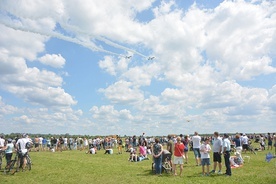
(272, 98)
(24, 119)
(122, 92)
(110, 115)
(108, 64)
(203, 61)
(18, 44)
(238, 35)
(142, 75)
(56, 61)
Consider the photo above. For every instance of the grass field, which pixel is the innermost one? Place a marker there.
(78, 167)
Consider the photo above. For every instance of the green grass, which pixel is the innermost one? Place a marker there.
(78, 167)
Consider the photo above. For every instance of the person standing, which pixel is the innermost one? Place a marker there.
(170, 149)
(196, 147)
(205, 149)
(226, 153)
(245, 142)
(178, 155)
(8, 151)
(262, 142)
(217, 149)
(22, 150)
(274, 138)
(269, 141)
(238, 143)
(120, 145)
(36, 143)
(2, 145)
(186, 142)
(157, 156)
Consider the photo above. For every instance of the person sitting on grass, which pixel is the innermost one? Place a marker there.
(92, 150)
(142, 151)
(108, 150)
(236, 160)
(135, 158)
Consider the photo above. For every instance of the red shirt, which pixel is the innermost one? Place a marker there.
(178, 149)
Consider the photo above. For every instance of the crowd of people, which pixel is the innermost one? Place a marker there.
(202, 146)
(141, 147)
(21, 146)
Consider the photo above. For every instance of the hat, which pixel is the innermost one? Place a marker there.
(225, 135)
(243, 134)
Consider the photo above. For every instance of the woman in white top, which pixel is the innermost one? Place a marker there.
(8, 151)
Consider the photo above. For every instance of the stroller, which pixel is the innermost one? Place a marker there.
(166, 166)
(251, 148)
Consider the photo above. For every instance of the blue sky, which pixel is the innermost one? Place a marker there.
(84, 68)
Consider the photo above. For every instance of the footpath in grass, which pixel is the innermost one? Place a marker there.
(78, 167)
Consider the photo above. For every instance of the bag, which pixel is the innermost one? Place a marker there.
(28, 145)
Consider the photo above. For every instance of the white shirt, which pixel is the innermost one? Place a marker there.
(204, 150)
(21, 143)
(196, 141)
(226, 144)
(40, 140)
(92, 150)
(2, 143)
(244, 139)
(217, 145)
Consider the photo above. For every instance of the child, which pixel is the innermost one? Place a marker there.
(133, 156)
(205, 149)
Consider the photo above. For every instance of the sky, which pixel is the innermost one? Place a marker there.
(128, 67)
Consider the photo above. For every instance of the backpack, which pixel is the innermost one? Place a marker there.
(28, 145)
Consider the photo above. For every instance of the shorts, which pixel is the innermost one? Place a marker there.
(36, 145)
(22, 153)
(217, 157)
(178, 160)
(186, 149)
(245, 146)
(239, 149)
(205, 161)
(197, 153)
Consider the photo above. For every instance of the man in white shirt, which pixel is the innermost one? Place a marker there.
(226, 153)
(244, 142)
(2, 145)
(217, 149)
(22, 150)
(196, 139)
